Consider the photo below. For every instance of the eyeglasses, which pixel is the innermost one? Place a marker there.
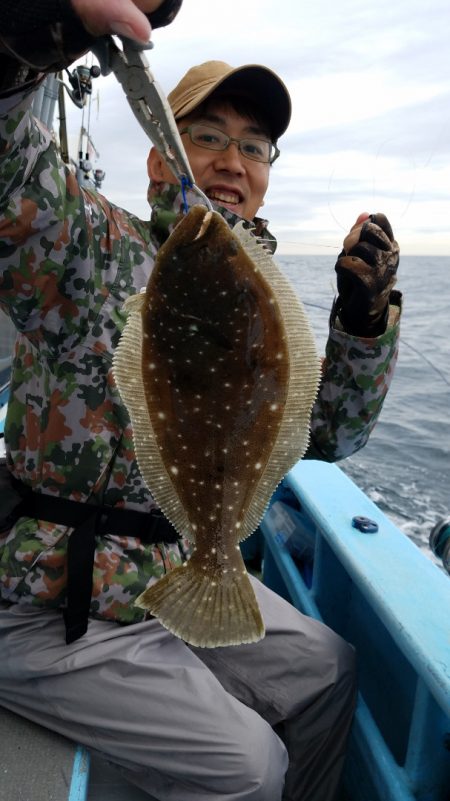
(213, 139)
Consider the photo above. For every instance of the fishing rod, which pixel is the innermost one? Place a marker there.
(79, 89)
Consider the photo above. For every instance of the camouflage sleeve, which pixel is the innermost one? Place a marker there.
(356, 375)
(54, 263)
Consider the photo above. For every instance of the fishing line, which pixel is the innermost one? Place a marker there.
(89, 116)
(290, 242)
(403, 341)
(185, 184)
(427, 360)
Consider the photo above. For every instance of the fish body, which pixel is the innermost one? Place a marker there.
(218, 369)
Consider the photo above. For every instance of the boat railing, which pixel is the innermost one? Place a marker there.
(381, 593)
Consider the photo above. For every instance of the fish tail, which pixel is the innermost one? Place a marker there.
(202, 612)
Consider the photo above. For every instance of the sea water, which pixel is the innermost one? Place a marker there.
(405, 466)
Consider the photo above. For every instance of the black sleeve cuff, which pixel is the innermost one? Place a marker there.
(359, 325)
(165, 14)
(49, 36)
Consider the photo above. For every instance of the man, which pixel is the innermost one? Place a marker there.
(257, 722)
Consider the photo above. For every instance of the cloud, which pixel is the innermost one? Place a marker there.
(371, 113)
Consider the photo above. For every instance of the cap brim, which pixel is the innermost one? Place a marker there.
(259, 83)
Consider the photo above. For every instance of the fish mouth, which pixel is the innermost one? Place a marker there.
(204, 225)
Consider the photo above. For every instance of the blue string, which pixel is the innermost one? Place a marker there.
(185, 184)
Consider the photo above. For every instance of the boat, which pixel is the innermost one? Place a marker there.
(332, 553)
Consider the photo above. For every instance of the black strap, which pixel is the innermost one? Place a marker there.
(88, 522)
(80, 562)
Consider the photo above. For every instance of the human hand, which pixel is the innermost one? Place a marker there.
(53, 35)
(122, 17)
(366, 273)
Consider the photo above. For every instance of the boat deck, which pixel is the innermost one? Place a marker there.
(36, 764)
(106, 784)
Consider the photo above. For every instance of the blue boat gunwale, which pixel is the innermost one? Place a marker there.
(376, 590)
(388, 568)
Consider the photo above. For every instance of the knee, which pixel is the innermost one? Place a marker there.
(263, 768)
(330, 650)
(339, 674)
(331, 666)
(345, 661)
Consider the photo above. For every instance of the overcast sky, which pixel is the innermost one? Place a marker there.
(370, 86)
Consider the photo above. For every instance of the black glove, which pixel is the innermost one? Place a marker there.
(366, 275)
(47, 35)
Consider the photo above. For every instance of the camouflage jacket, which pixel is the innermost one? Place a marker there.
(68, 261)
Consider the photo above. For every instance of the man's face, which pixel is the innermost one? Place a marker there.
(226, 177)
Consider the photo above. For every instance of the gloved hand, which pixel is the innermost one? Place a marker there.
(366, 273)
(49, 35)
(131, 18)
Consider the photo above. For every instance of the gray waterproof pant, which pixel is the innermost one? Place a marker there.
(259, 722)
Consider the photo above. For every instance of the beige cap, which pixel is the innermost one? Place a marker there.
(259, 83)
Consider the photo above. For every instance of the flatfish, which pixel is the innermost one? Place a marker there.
(218, 369)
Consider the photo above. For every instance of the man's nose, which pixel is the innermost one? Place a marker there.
(231, 158)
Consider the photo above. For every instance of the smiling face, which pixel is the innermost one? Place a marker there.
(227, 177)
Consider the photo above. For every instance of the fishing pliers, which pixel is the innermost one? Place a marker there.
(146, 99)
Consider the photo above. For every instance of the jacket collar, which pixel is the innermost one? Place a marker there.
(167, 204)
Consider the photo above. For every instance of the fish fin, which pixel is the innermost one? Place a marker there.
(134, 303)
(127, 372)
(202, 612)
(294, 431)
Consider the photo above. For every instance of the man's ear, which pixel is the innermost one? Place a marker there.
(157, 168)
